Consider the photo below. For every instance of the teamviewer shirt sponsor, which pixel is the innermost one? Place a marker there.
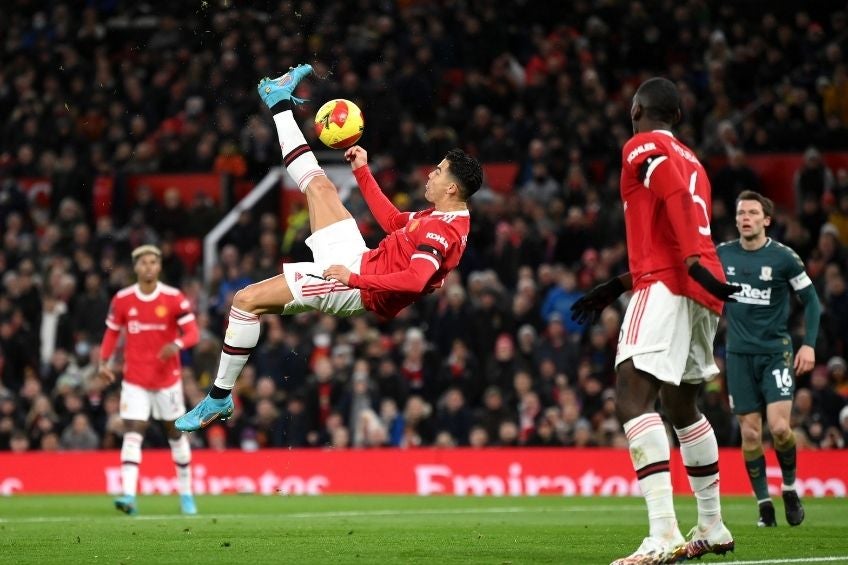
(151, 321)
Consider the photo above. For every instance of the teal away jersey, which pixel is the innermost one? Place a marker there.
(758, 322)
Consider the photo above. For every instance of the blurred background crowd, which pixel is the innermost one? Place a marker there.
(114, 88)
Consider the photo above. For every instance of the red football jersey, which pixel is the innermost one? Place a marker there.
(420, 249)
(667, 210)
(151, 321)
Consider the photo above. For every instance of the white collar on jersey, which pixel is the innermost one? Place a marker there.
(147, 297)
(456, 213)
(665, 131)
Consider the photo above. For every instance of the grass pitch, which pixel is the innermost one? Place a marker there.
(387, 530)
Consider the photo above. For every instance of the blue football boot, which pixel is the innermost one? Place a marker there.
(126, 504)
(207, 411)
(187, 505)
(274, 90)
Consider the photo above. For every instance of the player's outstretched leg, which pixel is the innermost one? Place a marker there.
(241, 337)
(325, 206)
(270, 295)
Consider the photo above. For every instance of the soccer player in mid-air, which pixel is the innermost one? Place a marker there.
(665, 346)
(159, 323)
(345, 278)
(760, 368)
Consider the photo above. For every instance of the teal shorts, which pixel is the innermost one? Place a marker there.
(754, 381)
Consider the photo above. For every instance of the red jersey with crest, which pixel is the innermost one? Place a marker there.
(667, 210)
(421, 248)
(151, 321)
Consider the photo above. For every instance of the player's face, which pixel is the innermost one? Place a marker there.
(750, 219)
(438, 182)
(147, 268)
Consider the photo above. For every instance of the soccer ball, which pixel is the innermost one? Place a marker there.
(339, 123)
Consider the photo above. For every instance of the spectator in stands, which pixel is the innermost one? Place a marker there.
(79, 435)
(814, 178)
(732, 179)
(558, 301)
(420, 429)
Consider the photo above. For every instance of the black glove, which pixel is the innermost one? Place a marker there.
(720, 290)
(587, 308)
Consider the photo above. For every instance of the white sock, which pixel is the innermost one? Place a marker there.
(699, 449)
(241, 337)
(181, 454)
(650, 453)
(130, 460)
(298, 158)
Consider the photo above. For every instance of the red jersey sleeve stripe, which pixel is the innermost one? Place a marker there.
(186, 319)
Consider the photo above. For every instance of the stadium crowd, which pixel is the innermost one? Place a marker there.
(491, 359)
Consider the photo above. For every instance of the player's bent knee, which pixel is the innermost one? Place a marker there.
(751, 435)
(780, 430)
(246, 299)
(322, 185)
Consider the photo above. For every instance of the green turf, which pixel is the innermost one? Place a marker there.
(372, 529)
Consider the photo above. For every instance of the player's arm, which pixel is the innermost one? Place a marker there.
(805, 358)
(432, 244)
(114, 323)
(413, 279)
(659, 175)
(387, 215)
(589, 306)
(189, 332)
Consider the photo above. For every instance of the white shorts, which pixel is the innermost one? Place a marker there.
(337, 244)
(139, 403)
(668, 336)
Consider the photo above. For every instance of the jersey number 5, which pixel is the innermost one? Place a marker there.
(705, 229)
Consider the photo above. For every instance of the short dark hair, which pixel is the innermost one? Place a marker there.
(660, 100)
(766, 203)
(467, 170)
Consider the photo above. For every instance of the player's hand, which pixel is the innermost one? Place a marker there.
(356, 156)
(590, 305)
(805, 360)
(168, 350)
(706, 279)
(337, 273)
(105, 372)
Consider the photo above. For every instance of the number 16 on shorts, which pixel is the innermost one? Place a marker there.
(783, 381)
